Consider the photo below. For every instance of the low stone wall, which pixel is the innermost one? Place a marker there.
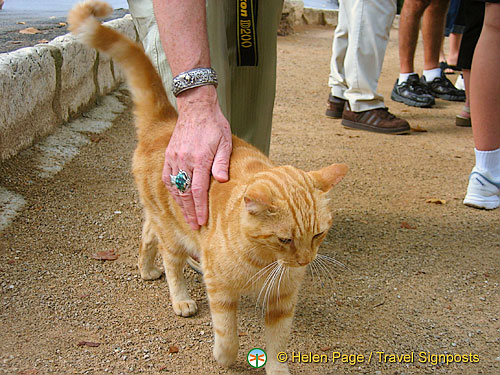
(327, 17)
(295, 14)
(46, 85)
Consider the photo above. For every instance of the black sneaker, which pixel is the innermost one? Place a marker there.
(442, 88)
(412, 92)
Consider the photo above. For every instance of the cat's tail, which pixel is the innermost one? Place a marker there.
(151, 104)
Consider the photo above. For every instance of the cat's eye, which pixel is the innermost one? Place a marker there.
(285, 241)
(316, 236)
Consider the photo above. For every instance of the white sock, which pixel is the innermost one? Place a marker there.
(431, 74)
(403, 77)
(489, 161)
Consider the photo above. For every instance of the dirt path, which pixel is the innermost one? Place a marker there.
(432, 287)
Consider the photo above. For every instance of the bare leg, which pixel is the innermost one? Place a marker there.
(432, 30)
(455, 40)
(485, 83)
(408, 33)
(483, 190)
(442, 55)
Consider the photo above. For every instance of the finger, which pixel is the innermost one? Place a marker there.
(177, 197)
(187, 205)
(220, 166)
(189, 210)
(199, 188)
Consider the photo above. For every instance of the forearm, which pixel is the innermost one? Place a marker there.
(183, 32)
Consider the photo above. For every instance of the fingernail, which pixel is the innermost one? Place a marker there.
(222, 176)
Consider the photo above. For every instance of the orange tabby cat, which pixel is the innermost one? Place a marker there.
(265, 225)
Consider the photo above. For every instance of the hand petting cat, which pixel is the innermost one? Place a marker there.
(201, 145)
(201, 142)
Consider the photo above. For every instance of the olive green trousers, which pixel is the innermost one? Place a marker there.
(246, 93)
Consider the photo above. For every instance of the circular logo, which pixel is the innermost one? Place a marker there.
(256, 358)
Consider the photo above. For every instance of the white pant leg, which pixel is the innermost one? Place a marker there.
(336, 79)
(145, 24)
(369, 24)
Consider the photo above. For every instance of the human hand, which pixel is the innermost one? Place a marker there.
(200, 145)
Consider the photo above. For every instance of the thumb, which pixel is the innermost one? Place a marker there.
(220, 166)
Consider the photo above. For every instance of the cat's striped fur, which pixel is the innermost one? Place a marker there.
(265, 225)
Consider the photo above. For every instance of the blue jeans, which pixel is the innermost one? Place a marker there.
(451, 16)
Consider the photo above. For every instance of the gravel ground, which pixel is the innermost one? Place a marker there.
(419, 277)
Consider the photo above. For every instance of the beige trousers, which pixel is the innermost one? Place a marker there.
(246, 93)
(358, 51)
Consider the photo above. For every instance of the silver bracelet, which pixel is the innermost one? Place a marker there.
(193, 78)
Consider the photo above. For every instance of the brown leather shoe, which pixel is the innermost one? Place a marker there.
(335, 107)
(378, 120)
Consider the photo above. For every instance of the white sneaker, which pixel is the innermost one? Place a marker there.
(482, 191)
(459, 83)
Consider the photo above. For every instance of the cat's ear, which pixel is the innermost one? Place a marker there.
(258, 199)
(328, 177)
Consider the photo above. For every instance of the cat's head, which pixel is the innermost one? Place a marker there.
(287, 212)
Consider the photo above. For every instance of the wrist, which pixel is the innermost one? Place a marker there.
(202, 96)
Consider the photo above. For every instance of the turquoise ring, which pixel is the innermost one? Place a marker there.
(181, 181)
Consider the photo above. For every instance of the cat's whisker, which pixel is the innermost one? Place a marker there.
(270, 285)
(259, 274)
(318, 272)
(314, 267)
(324, 267)
(277, 283)
(273, 288)
(332, 260)
(266, 282)
(311, 268)
(283, 270)
(265, 297)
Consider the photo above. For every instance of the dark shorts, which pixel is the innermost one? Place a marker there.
(474, 16)
(489, 1)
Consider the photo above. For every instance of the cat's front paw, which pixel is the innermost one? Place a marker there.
(225, 355)
(185, 308)
(150, 273)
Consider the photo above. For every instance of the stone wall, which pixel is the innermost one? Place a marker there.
(295, 14)
(46, 85)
